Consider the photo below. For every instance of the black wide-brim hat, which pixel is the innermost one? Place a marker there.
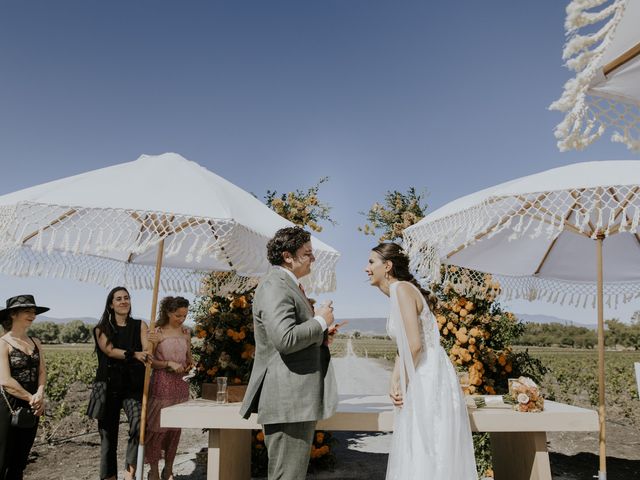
(21, 301)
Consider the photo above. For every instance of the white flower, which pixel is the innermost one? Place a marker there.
(523, 398)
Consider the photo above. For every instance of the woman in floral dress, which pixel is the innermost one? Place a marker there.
(172, 359)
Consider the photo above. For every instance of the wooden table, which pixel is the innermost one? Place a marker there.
(518, 440)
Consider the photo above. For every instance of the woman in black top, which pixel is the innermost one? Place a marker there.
(121, 342)
(23, 376)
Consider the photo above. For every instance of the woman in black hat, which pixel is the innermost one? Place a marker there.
(23, 376)
(121, 344)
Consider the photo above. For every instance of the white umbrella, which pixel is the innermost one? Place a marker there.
(103, 227)
(123, 225)
(543, 236)
(605, 92)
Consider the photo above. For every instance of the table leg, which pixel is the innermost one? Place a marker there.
(229, 455)
(520, 456)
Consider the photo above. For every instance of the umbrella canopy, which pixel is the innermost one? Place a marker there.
(536, 234)
(605, 92)
(104, 226)
(545, 236)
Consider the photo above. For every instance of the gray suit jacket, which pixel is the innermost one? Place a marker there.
(292, 379)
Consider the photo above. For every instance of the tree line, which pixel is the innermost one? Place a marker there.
(75, 331)
(617, 334)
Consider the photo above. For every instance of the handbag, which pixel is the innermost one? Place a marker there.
(20, 417)
(97, 400)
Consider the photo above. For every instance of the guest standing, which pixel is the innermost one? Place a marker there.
(121, 344)
(172, 358)
(22, 378)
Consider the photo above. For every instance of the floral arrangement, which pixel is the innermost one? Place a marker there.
(399, 211)
(524, 395)
(301, 207)
(225, 345)
(478, 333)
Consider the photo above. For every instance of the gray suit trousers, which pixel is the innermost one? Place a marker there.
(288, 447)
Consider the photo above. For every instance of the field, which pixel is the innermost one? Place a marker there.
(571, 378)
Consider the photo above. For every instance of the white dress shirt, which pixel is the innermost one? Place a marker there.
(318, 318)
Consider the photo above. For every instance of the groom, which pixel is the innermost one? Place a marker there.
(292, 384)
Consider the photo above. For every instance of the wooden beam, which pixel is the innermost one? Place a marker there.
(616, 63)
(553, 243)
(504, 220)
(584, 211)
(61, 218)
(215, 235)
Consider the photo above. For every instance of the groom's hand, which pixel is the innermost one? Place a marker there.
(326, 311)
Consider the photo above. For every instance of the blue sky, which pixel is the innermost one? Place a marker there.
(450, 97)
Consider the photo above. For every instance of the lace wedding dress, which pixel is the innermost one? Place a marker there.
(431, 437)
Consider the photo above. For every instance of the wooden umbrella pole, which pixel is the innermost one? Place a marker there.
(602, 473)
(147, 372)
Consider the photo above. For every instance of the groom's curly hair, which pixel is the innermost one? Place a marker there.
(288, 239)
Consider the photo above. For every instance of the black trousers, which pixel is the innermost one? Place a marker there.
(15, 445)
(108, 426)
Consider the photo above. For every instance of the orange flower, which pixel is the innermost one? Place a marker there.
(319, 437)
(260, 436)
(202, 334)
(239, 303)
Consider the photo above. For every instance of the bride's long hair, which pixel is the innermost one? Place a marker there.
(400, 269)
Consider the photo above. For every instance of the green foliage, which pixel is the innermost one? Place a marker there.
(622, 334)
(46, 332)
(65, 367)
(557, 334)
(482, 447)
(572, 378)
(397, 212)
(75, 332)
(301, 207)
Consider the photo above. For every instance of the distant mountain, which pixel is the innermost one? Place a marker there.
(367, 326)
(60, 321)
(535, 318)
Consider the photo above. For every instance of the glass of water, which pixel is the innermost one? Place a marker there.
(221, 393)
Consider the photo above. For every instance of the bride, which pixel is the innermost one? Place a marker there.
(432, 437)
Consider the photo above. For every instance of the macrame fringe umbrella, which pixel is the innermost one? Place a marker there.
(545, 237)
(160, 222)
(603, 49)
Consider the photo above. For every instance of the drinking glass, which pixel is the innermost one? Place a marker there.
(221, 393)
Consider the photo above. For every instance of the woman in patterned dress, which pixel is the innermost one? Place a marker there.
(172, 359)
(22, 378)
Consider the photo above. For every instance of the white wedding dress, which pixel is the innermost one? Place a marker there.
(432, 437)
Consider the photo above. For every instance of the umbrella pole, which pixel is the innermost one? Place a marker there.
(602, 471)
(147, 372)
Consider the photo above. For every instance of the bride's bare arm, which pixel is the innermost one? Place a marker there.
(394, 388)
(410, 318)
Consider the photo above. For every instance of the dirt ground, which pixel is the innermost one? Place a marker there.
(74, 451)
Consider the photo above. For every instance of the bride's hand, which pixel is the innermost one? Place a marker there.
(396, 398)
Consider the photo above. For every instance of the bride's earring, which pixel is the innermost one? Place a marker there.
(386, 275)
